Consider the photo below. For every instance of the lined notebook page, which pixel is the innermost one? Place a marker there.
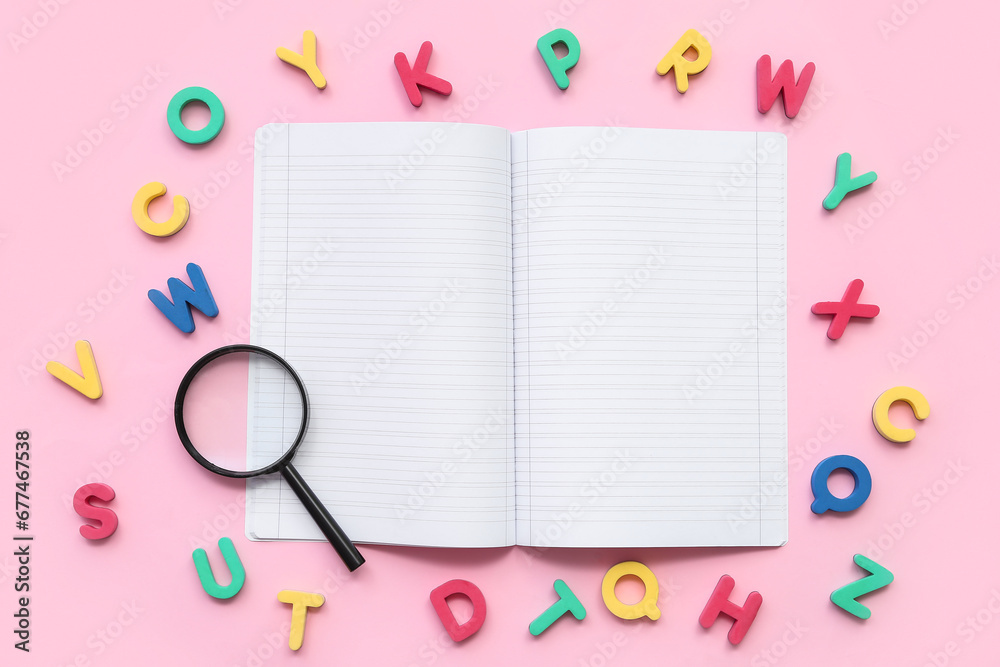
(382, 265)
(649, 296)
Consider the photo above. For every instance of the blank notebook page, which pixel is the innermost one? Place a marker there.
(649, 333)
(382, 263)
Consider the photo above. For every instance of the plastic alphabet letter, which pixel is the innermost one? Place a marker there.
(844, 184)
(179, 312)
(233, 562)
(88, 380)
(880, 412)
(300, 606)
(821, 491)
(105, 517)
(418, 76)
(140, 211)
(644, 607)
(559, 66)
(846, 596)
(215, 121)
(459, 587)
(568, 602)
(792, 94)
(719, 603)
(692, 39)
(305, 61)
(845, 309)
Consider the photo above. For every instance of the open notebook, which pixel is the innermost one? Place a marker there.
(560, 337)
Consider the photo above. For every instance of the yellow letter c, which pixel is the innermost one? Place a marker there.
(140, 211)
(880, 412)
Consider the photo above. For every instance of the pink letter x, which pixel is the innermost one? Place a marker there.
(845, 309)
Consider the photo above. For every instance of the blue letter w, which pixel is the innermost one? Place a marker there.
(179, 312)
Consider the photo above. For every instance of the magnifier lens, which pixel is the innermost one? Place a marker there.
(217, 413)
(206, 409)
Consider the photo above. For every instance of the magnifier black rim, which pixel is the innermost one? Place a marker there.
(285, 458)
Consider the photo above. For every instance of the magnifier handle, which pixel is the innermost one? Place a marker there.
(334, 533)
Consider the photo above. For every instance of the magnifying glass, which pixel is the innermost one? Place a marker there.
(293, 399)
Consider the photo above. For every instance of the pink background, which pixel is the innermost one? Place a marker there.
(885, 98)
